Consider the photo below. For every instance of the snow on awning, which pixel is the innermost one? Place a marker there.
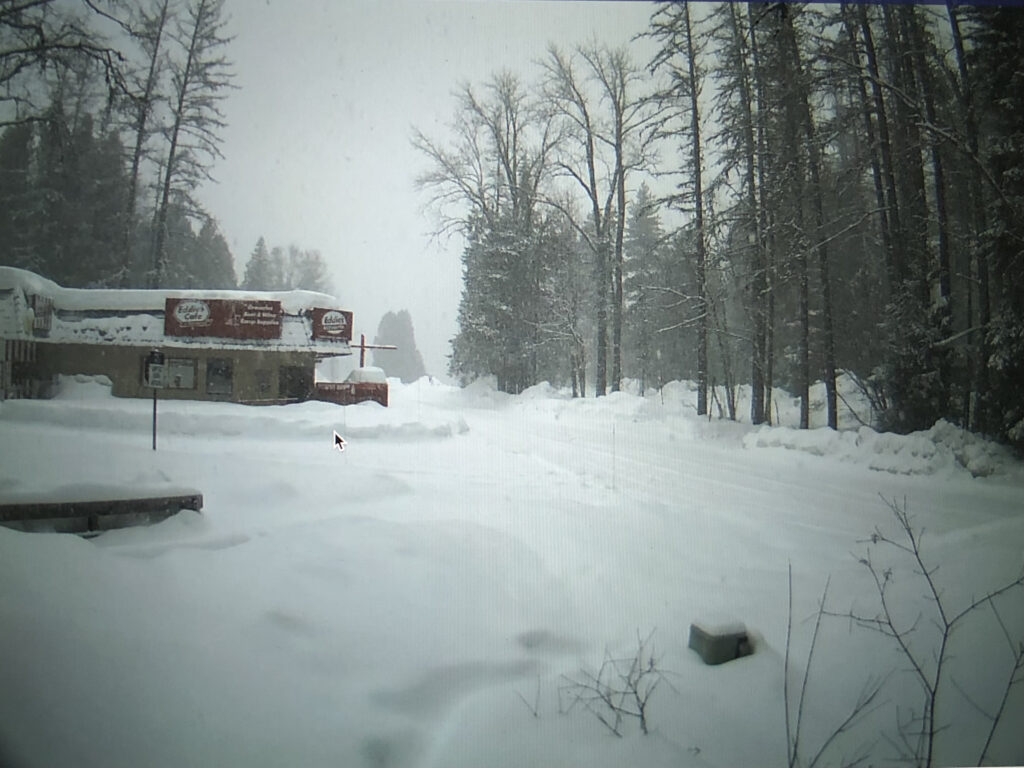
(271, 320)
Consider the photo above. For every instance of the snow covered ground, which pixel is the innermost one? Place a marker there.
(425, 597)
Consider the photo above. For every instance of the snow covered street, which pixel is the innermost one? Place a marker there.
(411, 600)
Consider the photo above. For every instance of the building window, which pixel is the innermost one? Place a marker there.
(218, 376)
(181, 373)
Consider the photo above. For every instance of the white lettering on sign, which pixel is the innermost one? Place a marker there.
(192, 312)
(334, 322)
(256, 313)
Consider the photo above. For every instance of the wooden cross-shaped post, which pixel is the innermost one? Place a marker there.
(362, 346)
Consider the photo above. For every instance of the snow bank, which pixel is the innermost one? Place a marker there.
(483, 393)
(544, 391)
(86, 404)
(944, 447)
(82, 387)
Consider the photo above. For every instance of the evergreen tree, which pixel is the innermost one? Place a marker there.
(405, 362)
(277, 279)
(78, 179)
(643, 246)
(18, 197)
(495, 315)
(213, 266)
(180, 248)
(259, 271)
(286, 269)
(998, 37)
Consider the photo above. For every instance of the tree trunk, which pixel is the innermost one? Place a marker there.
(979, 361)
(895, 256)
(759, 282)
(142, 117)
(160, 251)
(821, 247)
(765, 225)
(601, 383)
(909, 162)
(791, 145)
(698, 196)
(873, 145)
(620, 228)
(945, 309)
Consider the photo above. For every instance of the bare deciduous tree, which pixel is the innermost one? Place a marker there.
(610, 126)
(200, 78)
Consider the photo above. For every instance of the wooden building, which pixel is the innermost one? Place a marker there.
(237, 346)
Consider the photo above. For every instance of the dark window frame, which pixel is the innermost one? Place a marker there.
(220, 382)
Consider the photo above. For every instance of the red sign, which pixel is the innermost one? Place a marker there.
(223, 318)
(332, 324)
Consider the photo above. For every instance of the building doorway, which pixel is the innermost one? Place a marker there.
(295, 382)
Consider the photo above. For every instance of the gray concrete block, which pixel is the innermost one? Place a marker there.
(719, 643)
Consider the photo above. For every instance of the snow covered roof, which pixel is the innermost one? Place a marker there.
(135, 317)
(112, 299)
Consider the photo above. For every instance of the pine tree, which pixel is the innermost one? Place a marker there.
(495, 315)
(643, 246)
(214, 266)
(998, 38)
(18, 197)
(405, 362)
(259, 272)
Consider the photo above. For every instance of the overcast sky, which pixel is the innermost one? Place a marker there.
(317, 148)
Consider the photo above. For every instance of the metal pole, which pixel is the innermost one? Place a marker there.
(154, 418)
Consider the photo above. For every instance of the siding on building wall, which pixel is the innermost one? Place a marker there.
(255, 377)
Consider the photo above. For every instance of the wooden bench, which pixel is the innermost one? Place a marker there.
(93, 516)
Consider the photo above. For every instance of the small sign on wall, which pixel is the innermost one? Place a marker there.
(155, 371)
(181, 373)
(332, 324)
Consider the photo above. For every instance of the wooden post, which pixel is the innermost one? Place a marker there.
(362, 346)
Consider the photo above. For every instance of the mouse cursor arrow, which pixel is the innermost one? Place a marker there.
(339, 441)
